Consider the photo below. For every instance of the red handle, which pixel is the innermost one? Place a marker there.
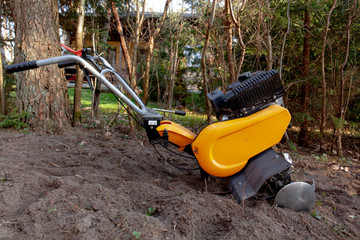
(78, 53)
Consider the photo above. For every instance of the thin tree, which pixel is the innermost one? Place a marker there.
(79, 73)
(203, 56)
(284, 40)
(41, 92)
(123, 43)
(136, 32)
(153, 34)
(126, 54)
(101, 48)
(139, 20)
(2, 90)
(323, 76)
(305, 73)
(174, 60)
(355, 12)
(2, 87)
(268, 41)
(229, 41)
(236, 21)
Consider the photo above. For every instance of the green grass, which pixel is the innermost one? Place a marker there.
(108, 104)
(107, 100)
(109, 107)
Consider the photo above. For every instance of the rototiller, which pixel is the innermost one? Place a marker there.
(251, 119)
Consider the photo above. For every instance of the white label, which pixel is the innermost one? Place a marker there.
(152, 123)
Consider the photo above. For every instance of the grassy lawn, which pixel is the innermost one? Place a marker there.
(109, 107)
(107, 100)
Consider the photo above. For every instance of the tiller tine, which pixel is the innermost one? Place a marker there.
(298, 196)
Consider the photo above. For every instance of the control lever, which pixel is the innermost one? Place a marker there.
(86, 73)
(181, 113)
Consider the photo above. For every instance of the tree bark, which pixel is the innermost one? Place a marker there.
(41, 92)
(203, 57)
(79, 73)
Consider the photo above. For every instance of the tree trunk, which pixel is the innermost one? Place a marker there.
(2, 86)
(158, 98)
(303, 135)
(221, 61)
(2, 90)
(269, 56)
(242, 53)
(153, 35)
(269, 50)
(229, 39)
(41, 92)
(122, 38)
(284, 41)
(79, 72)
(174, 63)
(239, 36)
(102, 48)
(323, 76)
(136, 38)
(146, 81)
(203, 58)
(341, 114)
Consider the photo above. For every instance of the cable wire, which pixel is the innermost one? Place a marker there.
(172, 164)
(209, 116)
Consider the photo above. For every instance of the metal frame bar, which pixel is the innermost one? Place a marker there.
(141, 109)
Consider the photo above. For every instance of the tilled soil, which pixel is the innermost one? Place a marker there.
(85, 184)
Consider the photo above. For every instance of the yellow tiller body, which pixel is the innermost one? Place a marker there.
(224, 148)
(178, 135)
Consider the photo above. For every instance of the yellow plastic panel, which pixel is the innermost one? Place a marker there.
(178, 134)
(223, 148)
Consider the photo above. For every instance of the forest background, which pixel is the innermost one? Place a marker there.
(314, 44)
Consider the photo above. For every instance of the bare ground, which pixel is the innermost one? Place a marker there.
(85, 184)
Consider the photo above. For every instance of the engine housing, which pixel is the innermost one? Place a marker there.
(251, 93)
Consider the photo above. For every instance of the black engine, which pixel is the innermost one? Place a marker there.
(249, 94)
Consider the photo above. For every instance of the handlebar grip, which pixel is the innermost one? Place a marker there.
(18, 67)
(67, 64)
(181, 113)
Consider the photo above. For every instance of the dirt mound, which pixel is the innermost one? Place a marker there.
(85, 184)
